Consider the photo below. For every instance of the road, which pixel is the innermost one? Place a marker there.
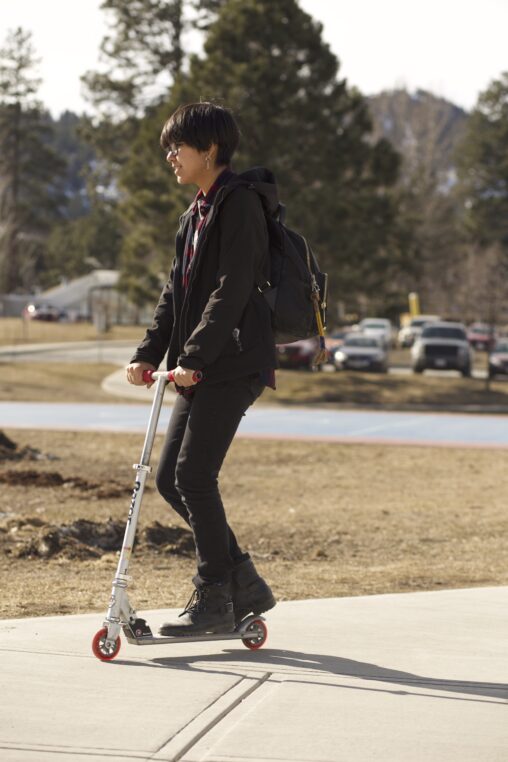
(114, 352)
(437, 429)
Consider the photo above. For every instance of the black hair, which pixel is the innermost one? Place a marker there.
(201, 124)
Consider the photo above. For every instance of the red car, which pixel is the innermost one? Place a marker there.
(480, 337)
(298, 354)
(335, 339)
(43, 312)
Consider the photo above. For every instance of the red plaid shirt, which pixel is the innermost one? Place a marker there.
(200, 208)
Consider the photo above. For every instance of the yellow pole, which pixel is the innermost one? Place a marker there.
(414, 304)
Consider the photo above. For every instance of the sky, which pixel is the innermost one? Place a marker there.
(453, 48)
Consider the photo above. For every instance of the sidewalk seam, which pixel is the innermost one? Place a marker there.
(71, 751)
(184, 744)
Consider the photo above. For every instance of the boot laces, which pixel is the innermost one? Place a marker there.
(195, 604)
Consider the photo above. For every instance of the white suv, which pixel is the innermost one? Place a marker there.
(377, 328)
(443, 346)
(409, 333)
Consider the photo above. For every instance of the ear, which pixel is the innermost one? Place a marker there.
(212, 152)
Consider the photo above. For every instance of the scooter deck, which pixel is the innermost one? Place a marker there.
(241, 632)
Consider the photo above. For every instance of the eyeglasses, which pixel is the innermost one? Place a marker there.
(174, 150)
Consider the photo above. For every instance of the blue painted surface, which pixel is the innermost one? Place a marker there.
(364, 426)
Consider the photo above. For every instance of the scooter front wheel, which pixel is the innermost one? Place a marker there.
(99, 648)
(260, 634)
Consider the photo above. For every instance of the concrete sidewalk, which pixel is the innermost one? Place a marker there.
(387, 678)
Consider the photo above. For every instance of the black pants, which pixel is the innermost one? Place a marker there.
(200, 432)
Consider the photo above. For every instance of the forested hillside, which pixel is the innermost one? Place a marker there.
(397, 192)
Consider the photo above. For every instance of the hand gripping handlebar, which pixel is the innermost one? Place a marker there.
(153, 375)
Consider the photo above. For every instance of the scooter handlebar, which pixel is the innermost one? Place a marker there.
(153, 375)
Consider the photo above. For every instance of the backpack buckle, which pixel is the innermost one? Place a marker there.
(265, 287)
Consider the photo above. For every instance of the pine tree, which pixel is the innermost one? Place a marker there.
(266, 60)
(75, 245)
(426, 128)
(80, 157)
(92, 230)
(151, 205)
(30, 171)
(207, 11)
(482, 159)
(483, 166)
(144, 54)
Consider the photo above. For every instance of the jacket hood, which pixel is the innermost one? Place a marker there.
(263, 181)
(260, 179)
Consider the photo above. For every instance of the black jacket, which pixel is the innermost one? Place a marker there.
(221, 323)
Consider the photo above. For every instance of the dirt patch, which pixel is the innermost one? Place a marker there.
(32, 478)
(167, 539)
(33, 538)
(9, 450)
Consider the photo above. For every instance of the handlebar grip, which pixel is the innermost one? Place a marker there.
(148, 375)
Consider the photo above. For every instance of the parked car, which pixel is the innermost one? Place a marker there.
(481, 337)
(409, 333)
(378, 328)
(334, 340)
(444, 346)
(498, 359)
(360, 352)
(298, 354)
(44, 312)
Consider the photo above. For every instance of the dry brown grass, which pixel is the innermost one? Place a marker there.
(348, 389)
(19, 331)
(55, 382)
(319, 519)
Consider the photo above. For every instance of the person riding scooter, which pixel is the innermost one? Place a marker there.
(211, 318)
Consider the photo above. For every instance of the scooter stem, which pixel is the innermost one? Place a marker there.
(119, 608)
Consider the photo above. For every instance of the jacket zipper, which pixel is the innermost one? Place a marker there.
(237, 340)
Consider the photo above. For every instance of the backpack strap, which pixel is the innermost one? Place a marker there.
(315, 296)
(261, 282)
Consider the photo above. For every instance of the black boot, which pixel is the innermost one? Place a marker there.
(209, 610)
(251, 594)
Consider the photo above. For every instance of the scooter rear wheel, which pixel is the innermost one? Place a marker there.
(99, 646)
(259, 639)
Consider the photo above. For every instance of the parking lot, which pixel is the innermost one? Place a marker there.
(426, 344)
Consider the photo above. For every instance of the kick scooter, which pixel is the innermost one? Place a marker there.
(251, 630)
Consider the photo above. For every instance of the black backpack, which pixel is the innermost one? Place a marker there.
(297, 289)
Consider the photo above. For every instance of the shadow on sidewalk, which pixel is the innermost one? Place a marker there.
(288, 665)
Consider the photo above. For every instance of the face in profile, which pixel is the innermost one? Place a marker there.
(188, 164)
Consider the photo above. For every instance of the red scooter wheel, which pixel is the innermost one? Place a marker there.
(99, 646)
(259, 639)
